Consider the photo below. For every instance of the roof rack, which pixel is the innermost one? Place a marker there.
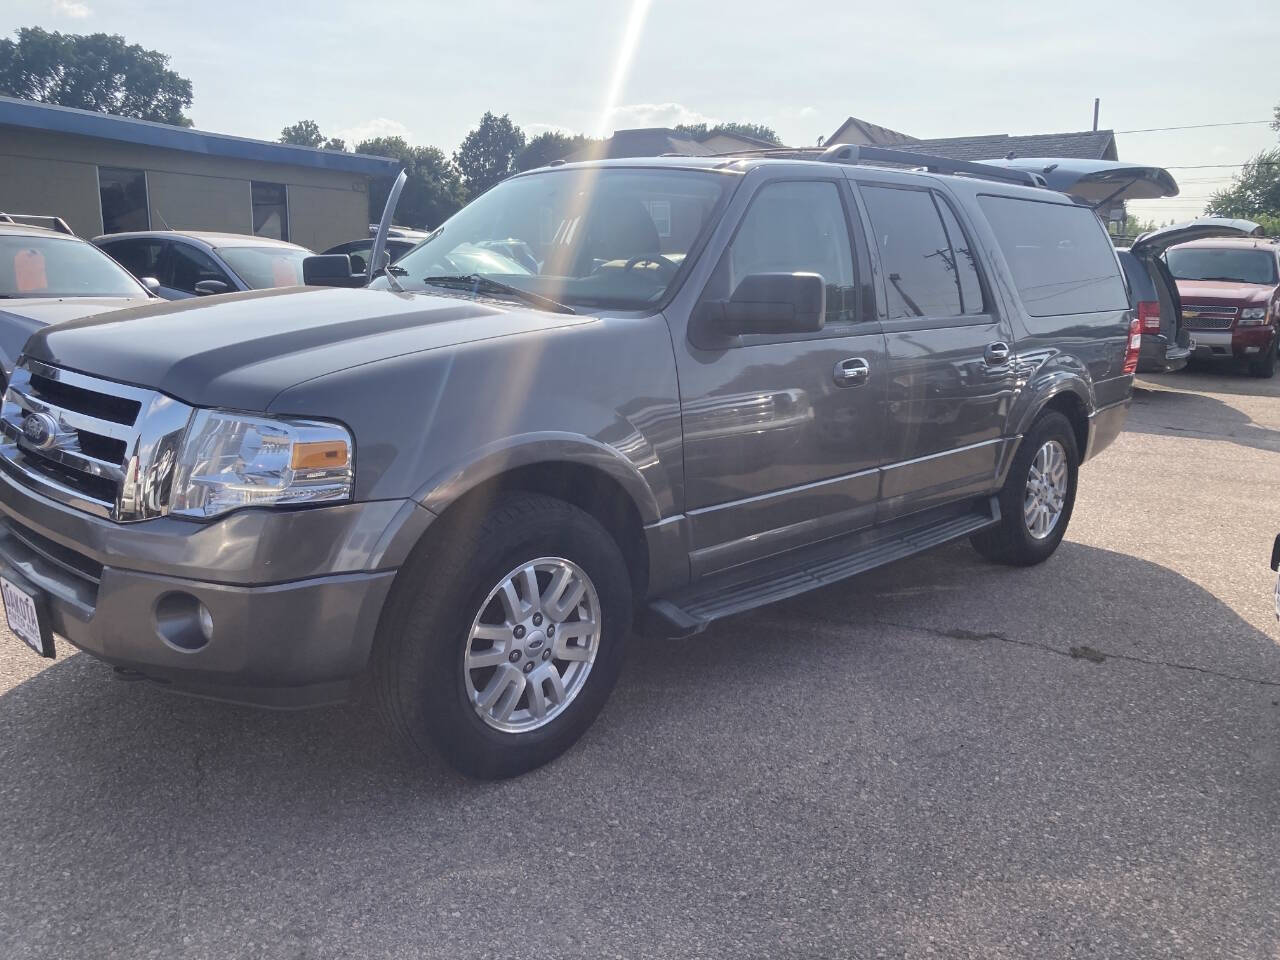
(856, 153)
(56, 224)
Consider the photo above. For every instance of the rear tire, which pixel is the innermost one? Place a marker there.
(449, 610)
(1038, 484)
(1265, 366)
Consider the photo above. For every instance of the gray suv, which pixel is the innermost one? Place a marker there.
(639, 394)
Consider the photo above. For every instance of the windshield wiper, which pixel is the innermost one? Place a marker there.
(478, 284)
(1227, 279)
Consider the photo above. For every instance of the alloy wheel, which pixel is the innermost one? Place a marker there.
(532, 644)
(1046, 493)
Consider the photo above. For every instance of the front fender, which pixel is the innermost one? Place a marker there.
(494, 459)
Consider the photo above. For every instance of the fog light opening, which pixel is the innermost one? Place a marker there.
(183, 622)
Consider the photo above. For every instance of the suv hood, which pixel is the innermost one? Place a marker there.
(1224, 291)
(241, 350)
(1097, 182)
(1155, 242)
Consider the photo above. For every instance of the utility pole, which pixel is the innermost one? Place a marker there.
(1096, 102)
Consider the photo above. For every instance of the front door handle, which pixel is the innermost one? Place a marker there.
(997, 353)
(853, 372)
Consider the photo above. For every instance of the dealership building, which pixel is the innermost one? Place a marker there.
(108, 174)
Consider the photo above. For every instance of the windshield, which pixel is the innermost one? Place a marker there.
(612, 237)
(1210, 263)
(262, 267)
(61, 267)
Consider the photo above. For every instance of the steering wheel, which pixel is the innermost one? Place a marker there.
(664, 265)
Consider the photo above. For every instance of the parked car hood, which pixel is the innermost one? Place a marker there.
(1155, 242)
(240, 350)
(1097, 182)
(1224, 291)
(19, 318)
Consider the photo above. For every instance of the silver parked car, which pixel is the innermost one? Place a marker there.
(196, 263)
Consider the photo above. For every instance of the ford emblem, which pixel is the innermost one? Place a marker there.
(40, 430)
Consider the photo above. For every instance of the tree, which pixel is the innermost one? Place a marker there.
(93, 72)
(433, 192)
(488, 153)
(306, 133)
(549, 146)
(1254, 192)
(756, 131)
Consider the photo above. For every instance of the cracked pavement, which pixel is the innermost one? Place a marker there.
(940, 758)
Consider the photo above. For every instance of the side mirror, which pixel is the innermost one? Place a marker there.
(331, 270)
(775, 303)
(207, 288)
(151, 283)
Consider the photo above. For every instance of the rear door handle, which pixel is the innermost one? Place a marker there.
(997, 353)
(853, 372)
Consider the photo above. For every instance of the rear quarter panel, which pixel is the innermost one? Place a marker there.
(1082, 353)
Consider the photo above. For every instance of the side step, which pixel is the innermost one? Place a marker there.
(694, 608)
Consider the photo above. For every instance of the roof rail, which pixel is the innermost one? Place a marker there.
(56, 224)
(856, 153)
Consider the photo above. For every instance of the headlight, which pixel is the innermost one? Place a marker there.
(1253, 315)
(229, 460)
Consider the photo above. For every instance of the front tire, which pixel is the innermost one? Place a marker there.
(1265, 366)
(504, 635)
(1037, 497)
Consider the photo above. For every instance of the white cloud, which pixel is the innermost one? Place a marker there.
(531, 130)
(72, 9)
(808, 112)
(377, 127)
(631, 115)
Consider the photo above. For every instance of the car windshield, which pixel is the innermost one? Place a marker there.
(1220, 263)
(61, 267)
(262, 267)
(593, 236)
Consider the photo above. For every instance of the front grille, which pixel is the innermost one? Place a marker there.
(1193, 322)
(103, 447)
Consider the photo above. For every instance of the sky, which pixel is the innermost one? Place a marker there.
(427, 71)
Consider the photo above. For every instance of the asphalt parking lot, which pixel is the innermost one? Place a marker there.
(942, 758)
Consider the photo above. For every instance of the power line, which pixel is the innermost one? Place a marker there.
(1215, 166)
(1197, 126)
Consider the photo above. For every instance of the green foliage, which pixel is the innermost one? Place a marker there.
(433, 191)
(488, 153)
(306, 133)
(549, 146)
(1255, 191)
(757, 131)
(93, 72)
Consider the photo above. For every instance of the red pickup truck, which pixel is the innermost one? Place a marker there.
(1230, 292)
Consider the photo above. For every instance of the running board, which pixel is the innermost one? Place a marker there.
(694, 608)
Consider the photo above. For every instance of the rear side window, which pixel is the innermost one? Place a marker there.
(1061, 259)
(927, 272)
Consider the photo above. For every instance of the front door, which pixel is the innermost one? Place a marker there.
(783, 434)
(951, 380)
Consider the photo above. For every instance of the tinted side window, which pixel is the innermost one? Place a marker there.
(966, 265)
(188, 266)
(794, 228)
(919, 266)
(140, 257)
(1061, 258)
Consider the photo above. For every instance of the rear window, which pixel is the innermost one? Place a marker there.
(1061, 259)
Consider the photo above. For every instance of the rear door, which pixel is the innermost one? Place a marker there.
(951, 377)
(139, 255)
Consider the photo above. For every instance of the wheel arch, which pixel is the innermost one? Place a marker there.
(584, 473)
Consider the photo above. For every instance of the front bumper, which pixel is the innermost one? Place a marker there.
(1242, 343)
(294, 596)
